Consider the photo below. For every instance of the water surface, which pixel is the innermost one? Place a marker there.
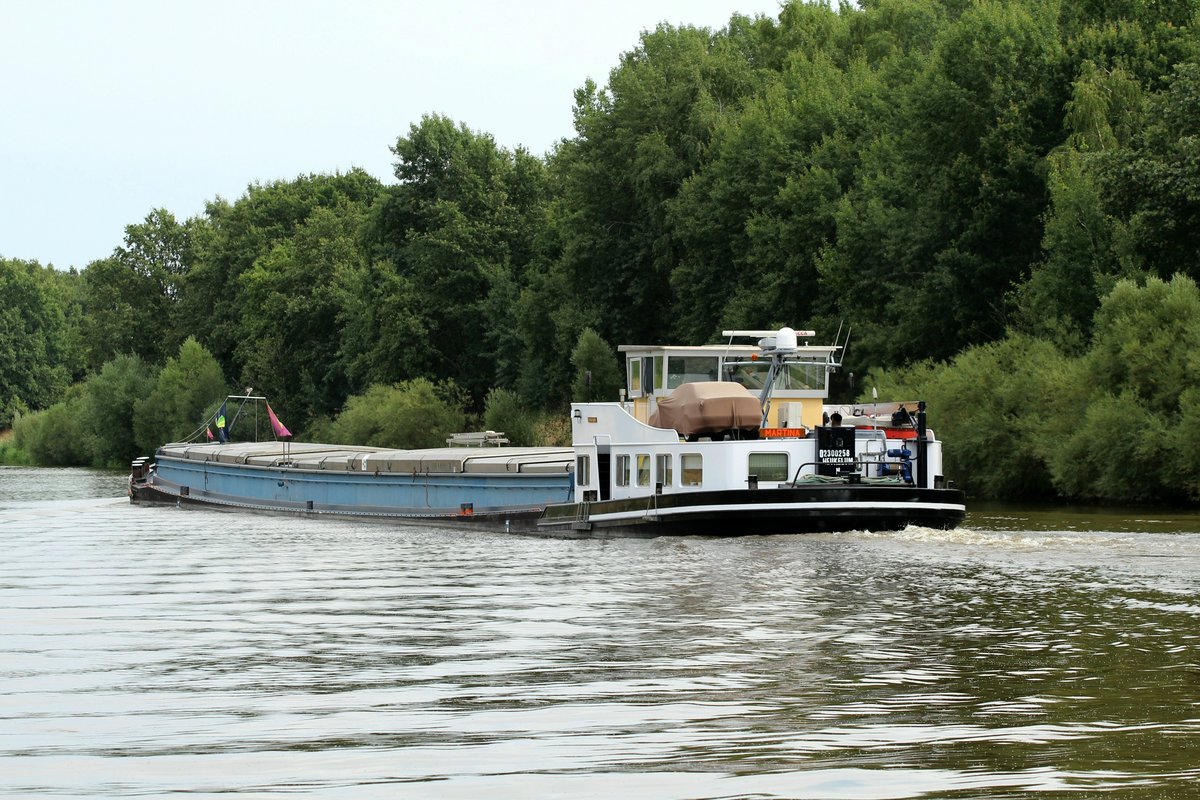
(154, 652)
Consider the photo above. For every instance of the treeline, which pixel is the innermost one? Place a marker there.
(1120, 421)
(942, 176)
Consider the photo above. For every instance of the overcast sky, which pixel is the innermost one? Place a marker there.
(111, 109)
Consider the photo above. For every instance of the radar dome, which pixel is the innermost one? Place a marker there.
(785, 339)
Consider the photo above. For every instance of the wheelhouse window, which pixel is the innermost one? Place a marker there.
(751, 374)
(635, 375)
(643, 469)
(690, 369)
(621, 474)
(663, 465)
(769, 466)
(805, 377)
(691, 468)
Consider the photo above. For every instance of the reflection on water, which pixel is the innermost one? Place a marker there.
(1000, 517)
(156, 651)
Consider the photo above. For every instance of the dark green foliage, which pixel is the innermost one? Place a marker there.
(1155, 182)
(106, 410)
(995, 408)
(1142, 370)
(291, 342)
(503, 411)
(35, 363)
(55, 437)
(410, 415)
(1116, 423)
(186, 388)
(637, 143)
(597, 374)
(458, 234)
(130, 299)
(234, 236)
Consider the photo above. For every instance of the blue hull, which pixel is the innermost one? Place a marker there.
(350, 493)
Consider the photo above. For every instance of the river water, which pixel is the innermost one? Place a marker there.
(159, 652)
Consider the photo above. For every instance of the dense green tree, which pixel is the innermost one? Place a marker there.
(946, 216)
(106, 409)
(460, 231)
(35, 359)
(131, 297)
(56, 437)
(291, 340)
(1117, 423)
(548, 323)
(380, 325)
(753, 221)
(1095, 233)
(1154, 184)
(410, 414)
(998, 410)
(637, 141)
(1147, 342)
(504, 412)
(233, 236)
(597, 374)
(1081, 257)
(185, 389)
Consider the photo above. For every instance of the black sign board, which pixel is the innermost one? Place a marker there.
(835, 446)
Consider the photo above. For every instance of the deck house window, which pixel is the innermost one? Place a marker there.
(622, 471)
(643, 469)
(635, 375)
(769, 466)
(663, 467)
(583, 471)
(691, 467)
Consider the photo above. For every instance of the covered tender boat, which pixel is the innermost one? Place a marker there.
(707, 408)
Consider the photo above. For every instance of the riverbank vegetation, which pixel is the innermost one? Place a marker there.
(1001, 197)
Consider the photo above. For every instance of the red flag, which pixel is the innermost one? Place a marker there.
(208, 431)
(276, 425)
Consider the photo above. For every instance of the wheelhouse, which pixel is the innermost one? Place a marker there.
(797, 393)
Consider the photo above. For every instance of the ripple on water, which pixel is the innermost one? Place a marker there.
(155, 651)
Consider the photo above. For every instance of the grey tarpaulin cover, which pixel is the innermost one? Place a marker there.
(708, 407)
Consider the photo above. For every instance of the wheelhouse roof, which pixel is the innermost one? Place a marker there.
(719, 349)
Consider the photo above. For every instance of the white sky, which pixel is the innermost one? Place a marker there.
(109, 109)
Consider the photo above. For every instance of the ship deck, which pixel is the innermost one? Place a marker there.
(343, 458)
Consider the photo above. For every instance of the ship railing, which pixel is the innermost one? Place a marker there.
(847, 471)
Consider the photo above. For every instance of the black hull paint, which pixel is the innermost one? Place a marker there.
(819, 508)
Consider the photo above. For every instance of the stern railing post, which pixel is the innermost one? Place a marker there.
(922, 448)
